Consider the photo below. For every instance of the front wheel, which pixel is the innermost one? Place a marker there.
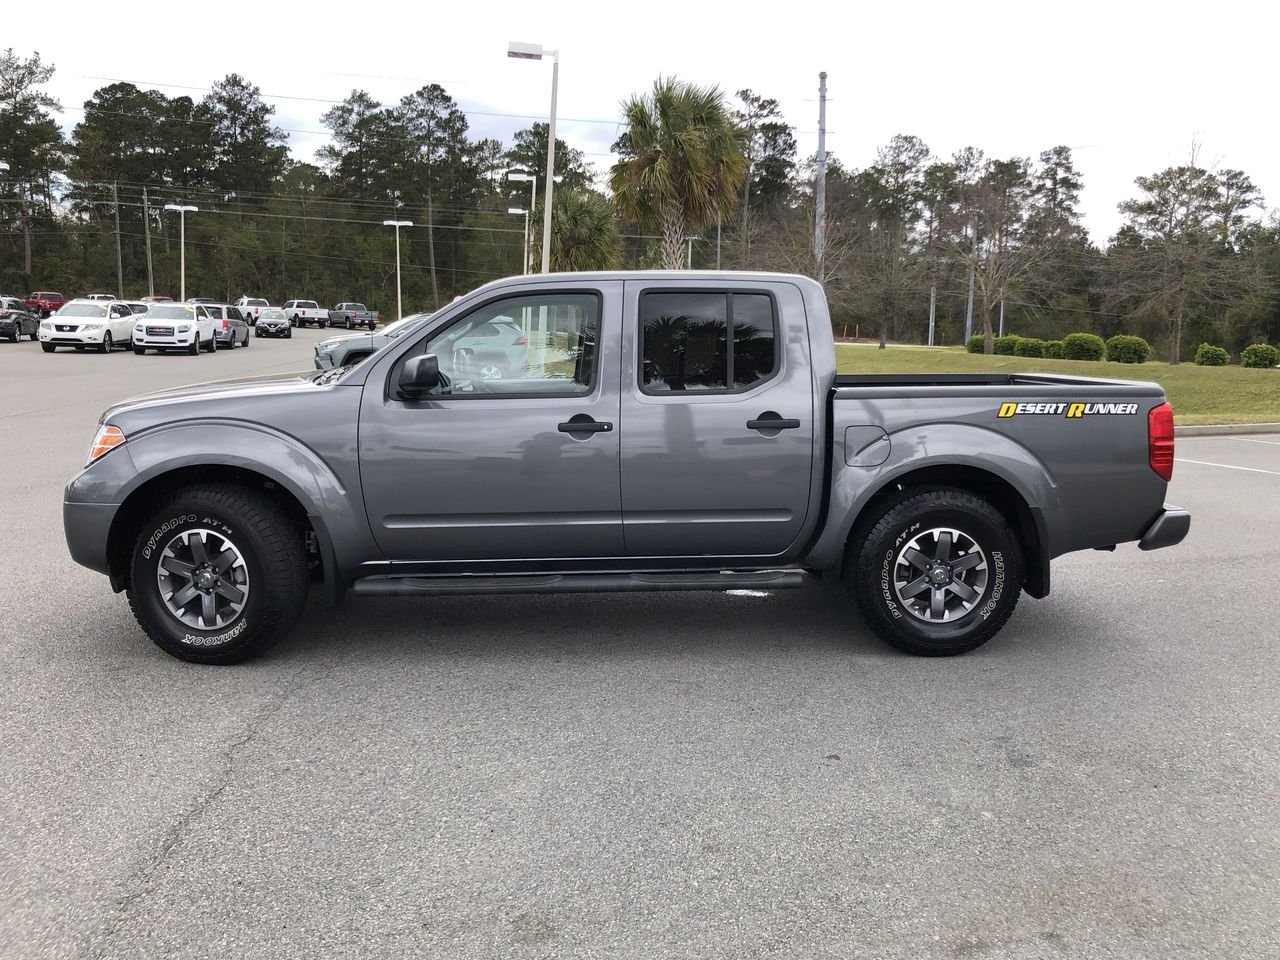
(217, 574)
(105, 346)
(139, 351)
(14, 335)
(935, 572)
(48, 347)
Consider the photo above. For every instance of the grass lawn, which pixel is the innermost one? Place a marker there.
(1198, 394)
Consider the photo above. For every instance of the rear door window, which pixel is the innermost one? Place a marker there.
(686, 343)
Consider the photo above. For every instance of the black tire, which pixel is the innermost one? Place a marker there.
(293, 321)
(139, 351)
(271, 557)
(875, 570)
(246, 338)
(13, 337)
(288, 334)
(106, 345)
(34, 334)
(48, 347)
(194, 349)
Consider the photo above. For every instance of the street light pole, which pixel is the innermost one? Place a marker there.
(519, 210)
(532, 51)
(183, 210)
(398, 224)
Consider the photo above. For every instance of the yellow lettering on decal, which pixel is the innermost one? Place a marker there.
(1007, 409)
(1075, 410)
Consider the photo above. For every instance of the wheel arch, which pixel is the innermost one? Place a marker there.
(1026, 521)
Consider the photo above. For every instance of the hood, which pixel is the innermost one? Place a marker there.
(339, 341)
(220, 392)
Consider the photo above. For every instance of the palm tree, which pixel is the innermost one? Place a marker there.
(584, 233)
(681, 162)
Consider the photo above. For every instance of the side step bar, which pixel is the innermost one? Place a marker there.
(578, 583)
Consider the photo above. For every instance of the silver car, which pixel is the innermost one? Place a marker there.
(229, 325)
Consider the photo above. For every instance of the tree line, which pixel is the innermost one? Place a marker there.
(701, 178)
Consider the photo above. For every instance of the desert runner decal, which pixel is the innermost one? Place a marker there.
(1072, 411)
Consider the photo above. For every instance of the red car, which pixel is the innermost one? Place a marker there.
(44, 302)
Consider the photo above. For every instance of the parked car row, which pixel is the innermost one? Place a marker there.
(102, 325)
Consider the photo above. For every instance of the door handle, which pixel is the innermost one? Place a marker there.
(582, 423)
(772, 421)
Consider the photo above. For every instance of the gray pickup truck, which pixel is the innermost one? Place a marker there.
(667, 431)
(352, 315)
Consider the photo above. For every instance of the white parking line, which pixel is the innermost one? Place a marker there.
(1227, 466)
(1274, 443)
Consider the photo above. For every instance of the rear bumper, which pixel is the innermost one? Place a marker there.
(1168, 529)
(86, 526)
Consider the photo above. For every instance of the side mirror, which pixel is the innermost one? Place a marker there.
(419, 375)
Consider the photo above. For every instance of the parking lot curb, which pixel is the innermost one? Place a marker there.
(1224, 429)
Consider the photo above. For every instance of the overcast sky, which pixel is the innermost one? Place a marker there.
(1130, 86)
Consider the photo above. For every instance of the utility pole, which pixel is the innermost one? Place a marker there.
(820, 188)
(717, 243)
(1002, 316)
(968, 310)
(146, 229)
(933, 306)
(115, 202)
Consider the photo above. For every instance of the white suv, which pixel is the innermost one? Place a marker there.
(175, 326)
(100, 324)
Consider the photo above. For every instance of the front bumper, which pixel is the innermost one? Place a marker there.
(282, 330)
(72, 338)
(1169, 528)
(87, 526)
(325, 361)
(183, 340)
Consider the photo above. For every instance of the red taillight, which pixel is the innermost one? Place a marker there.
(224, 324)
(523, 341)
(1160, 440)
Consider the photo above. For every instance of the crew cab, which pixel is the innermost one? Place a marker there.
(84, 324)
(302, 313)
(352, 315)
(44, 302)
(667, 431)
(175, 326)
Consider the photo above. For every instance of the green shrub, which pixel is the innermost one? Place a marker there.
(1053, 349)
(1028, 347)
(975, 344)
(1207, 355)
(1083, 346)
(1006, 345)
(1126, 349)
(1259, 355)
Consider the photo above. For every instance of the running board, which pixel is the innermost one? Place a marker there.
(577, 583)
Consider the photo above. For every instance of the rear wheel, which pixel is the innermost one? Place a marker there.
(936, 571)
(13, 335)
(217, 574)
(34, 334)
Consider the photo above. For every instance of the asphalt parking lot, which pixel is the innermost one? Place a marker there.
(688, 775)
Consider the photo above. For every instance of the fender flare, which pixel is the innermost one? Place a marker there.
(936, 445)
(336, 514)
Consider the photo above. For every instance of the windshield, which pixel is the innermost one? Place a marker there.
(171, 311)
(273, 313)
(263, 303)
(95, 309)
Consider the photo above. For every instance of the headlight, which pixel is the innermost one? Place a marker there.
(140, 329)
(46, 325)
(186, 329)
(89, 327)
